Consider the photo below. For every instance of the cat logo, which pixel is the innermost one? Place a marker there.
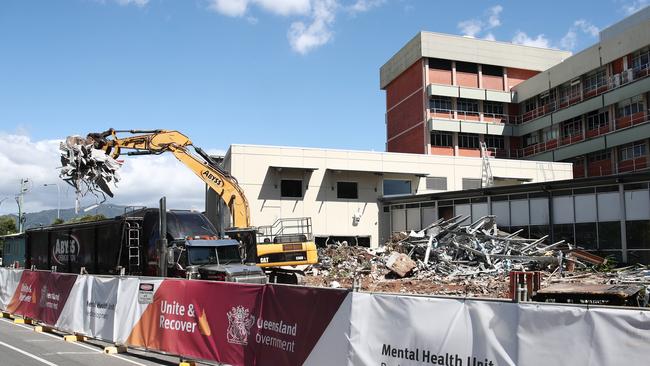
(208, 175)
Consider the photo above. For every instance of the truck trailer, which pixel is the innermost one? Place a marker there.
(129, 244)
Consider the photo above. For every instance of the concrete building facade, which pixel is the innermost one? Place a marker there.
(340, 190)
(445, 95)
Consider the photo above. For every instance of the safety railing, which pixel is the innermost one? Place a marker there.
(630, 121)
(452, 114)
(611, 83)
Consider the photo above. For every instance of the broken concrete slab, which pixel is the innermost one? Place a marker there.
(400, 264)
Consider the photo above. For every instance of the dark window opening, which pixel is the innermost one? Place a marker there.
(495, 142)
(440, 64)
(291, 188)
(469, 141)
(466, 67)
(441, 139)
(347, 190)
(492, 70)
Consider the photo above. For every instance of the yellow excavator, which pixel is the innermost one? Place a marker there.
(274, 253)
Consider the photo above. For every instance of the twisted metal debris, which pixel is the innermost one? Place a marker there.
(87, 169)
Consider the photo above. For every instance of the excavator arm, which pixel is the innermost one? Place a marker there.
(156, 142)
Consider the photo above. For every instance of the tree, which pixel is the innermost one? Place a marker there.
(88, 218)
(58, 221)
(7, 225)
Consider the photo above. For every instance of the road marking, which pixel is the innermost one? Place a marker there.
(77, 344)
(27, 354)
(70, 353)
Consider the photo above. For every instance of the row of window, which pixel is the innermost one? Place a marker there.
(466, 140)
(583, 86)
(292, 188)
(466, 67)
(465, 105)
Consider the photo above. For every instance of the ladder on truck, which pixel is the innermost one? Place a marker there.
(132, 230)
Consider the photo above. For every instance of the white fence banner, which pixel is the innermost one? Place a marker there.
(391, 330)
(90, 308)
(9, 279)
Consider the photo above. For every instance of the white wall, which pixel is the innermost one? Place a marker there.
(256, 169)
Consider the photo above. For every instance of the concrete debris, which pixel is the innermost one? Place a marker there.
(400, 264)
(87, 169)
(447, 258)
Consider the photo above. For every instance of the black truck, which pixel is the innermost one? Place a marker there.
(129, 244)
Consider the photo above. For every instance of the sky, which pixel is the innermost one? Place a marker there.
(271, 72)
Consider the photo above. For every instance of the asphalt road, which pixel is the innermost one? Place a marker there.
(21, 346)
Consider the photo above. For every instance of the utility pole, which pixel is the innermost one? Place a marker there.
(19, 200)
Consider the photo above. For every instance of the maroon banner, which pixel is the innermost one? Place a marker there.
(41, 295)
(236, 324)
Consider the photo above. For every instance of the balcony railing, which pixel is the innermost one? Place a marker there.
(472, 116)
(629, 121)
(607, 84)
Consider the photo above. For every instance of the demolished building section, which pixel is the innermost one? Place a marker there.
(447, 258)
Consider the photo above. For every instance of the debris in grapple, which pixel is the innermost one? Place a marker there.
(87, 169)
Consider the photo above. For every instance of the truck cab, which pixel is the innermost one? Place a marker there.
(212, 260)
(195, 250)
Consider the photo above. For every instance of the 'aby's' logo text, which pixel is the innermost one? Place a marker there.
(240, 322)
(66, 249)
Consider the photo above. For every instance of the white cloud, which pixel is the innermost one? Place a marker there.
(361, 6)
(304, 35)
(304, 38)
(470, 27)
(474, 27)
(570, 39)
(634, 6)
(144, 179)
(523, 39)
(231, 8)
(138, 3)
(238, 8)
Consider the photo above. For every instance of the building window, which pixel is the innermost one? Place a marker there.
(396, 186)
(494, 142)
(441, 139)
(597, 119)
(491, 70)
(439, 64)
(632, 151)
(291, 188)
(469, 141)
(547, 98)
(436, 183)
(570, 91)
(466, 67)
(630, 106)
(347, 190)
(440, 103)
(609, 235)
(572, 127)
(530, 105)
(594, 80)
(467, 105)
(549, 134)
(600, 155)
(641, 58)
(494, 108)
(531, 139)
(471, 183)
(638, 234)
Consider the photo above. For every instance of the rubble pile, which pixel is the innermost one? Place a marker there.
(87, 169)
(445, 258)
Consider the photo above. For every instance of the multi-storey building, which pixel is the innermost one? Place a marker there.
(446, 94)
